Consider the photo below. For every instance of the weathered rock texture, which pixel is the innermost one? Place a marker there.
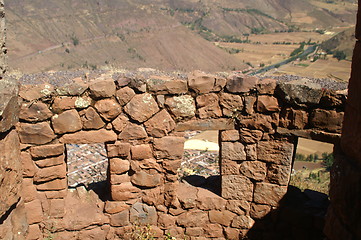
(344, 221)
(142, 131)
(13, 223)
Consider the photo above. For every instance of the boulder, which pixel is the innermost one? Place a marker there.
(241, 83)
(266, 123)
(108, 109)
(192, 218)
(39, 133)
(300, 92)
(267, 86)
(267, 104)
(329, 120)
(28, 165)
(224, 217)
(120, 219)
(102, 89)
(243, 222)
(208, 106)
(34, 211)
(34, 92)
(67, 122)
(57, 184)
(169, 147)
(249, 103)
(143, 214)
(160, 124)
(35, 112)
(201, 82)
(229, 167)
(141, 107)
(10, 171)
(233, 103)
(166, 85)
(124, 95)
(143, 179)
(75, 88)
(63, 103)
(181, 106)
(91, 119)
(120, 122)
(132, 131)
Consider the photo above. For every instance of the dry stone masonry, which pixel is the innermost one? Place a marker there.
(142, 119)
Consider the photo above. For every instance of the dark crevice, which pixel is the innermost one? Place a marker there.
(8, 212)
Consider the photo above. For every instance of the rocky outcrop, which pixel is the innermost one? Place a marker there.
(343, 222)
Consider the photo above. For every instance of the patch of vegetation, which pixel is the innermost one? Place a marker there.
(252, 11)
(75, 40)
(135, 54)
(303, 65)
(121, 36)
(339, 55)
(231, 50)
(282, 43)
(298, 50)
(327, 161)
(67, 50)
(259, 30)
(89, 66)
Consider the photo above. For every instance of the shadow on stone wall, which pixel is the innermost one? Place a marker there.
(300, 215)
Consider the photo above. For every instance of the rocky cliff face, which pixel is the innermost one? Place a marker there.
(13, 224)
(344, 220)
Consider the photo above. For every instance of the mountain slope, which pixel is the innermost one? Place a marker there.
(163, 34)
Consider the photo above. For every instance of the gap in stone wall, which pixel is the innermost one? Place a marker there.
(200, 164)
(87, 165)
(311, 168)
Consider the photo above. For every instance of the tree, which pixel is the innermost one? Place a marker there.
(327, 160)
(339, 55)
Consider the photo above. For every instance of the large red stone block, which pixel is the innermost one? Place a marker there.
(39, 133)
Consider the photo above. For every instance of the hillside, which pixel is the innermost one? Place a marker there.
(344, 42)
(162, 34)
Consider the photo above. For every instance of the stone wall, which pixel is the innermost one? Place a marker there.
(344, 221)
(142, 119)
(12, 217)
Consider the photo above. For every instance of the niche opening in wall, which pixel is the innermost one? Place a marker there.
(87, 165)
(200, 165)
(312, 164)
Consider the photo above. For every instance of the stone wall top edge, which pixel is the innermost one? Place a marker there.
(60, 78)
